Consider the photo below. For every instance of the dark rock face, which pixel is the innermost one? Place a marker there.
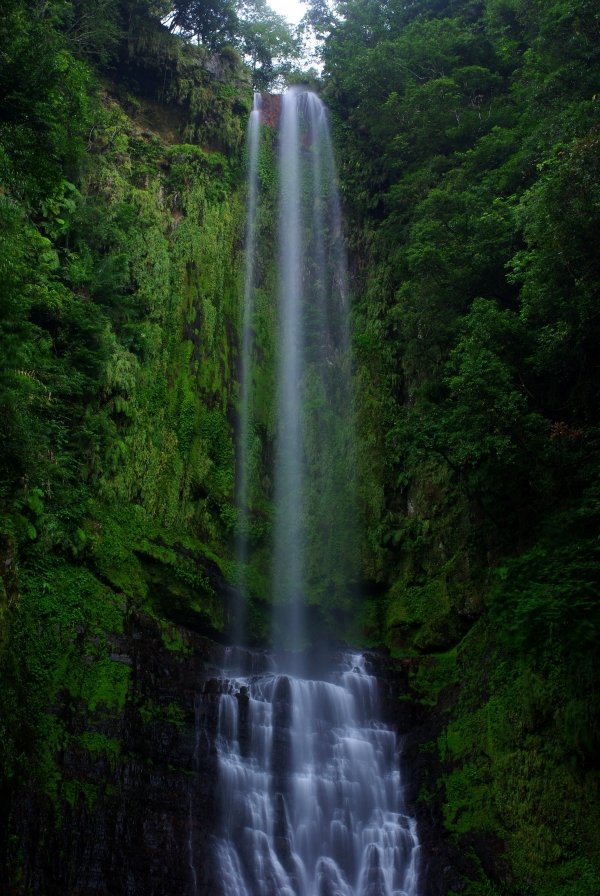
(282, 744)
(271, 109)
(445, 866)
(148, 831)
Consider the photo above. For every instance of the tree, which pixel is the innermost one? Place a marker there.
(213, 23)
(267, 43)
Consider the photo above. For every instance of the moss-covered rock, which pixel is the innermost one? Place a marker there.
(499, 772)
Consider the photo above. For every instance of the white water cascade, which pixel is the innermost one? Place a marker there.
(309, 789)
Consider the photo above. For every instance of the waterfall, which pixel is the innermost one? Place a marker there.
(288, 543)
(315, 546)
(243, 446)
(309, 791)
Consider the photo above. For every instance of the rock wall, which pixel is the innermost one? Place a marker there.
(122, 822)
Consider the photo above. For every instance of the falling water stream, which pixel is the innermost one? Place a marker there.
(314, 471)
(241, 546)
(309, 790)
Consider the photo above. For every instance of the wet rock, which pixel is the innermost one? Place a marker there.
(282, 743)
(373, 882)
(134, 813)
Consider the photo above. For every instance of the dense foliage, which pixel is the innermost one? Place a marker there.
(470, 165)
(469, 135)
(119, 274)
(263, 37)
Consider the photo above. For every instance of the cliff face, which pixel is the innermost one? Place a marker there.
(134, 812)
(122, 281)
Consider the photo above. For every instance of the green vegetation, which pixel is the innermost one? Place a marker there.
(469, 163)
(119, 273)
(515, 766)
(262, 36)
(469, 141)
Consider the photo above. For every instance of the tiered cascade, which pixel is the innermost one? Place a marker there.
(310, 789)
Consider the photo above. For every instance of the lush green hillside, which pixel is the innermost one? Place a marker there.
(469, 138)
(120, 258)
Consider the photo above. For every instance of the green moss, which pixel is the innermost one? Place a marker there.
(420, 616)
(510, 767)
(98, 744)
(174, 640)
(52, 739)
(152, 712)
(485, 888)
(179, 587)
(468, 805)
(75, 791)
(190, 163)
(408, 605)
(432, 675)
(116, 533)
(103, 684)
